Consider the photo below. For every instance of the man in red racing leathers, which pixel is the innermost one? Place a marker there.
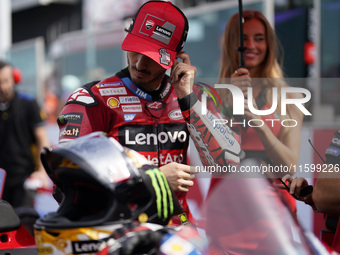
(148, 111)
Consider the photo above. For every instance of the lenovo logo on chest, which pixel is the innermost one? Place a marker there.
(154, 139)
(151, 137)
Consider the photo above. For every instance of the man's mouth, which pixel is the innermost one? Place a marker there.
(140, 73)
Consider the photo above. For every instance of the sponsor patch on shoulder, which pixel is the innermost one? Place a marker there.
(109, 84)
(113, 91)
(113, 102)
(71, 117)
(82, 96)
(69, 131)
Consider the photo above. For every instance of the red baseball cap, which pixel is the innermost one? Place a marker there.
(158, 31)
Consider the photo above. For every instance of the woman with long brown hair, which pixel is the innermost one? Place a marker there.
(273, 138)
(277, 142)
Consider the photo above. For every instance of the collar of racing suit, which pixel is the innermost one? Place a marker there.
(158, 94)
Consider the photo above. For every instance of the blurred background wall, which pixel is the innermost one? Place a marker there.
(61, 44)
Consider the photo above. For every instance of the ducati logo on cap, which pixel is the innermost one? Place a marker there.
(149, 24)
(157, 29)
(165, 57)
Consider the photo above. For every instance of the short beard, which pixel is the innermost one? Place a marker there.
(144, 84)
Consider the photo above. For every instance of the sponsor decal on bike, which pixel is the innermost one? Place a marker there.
(44, 250)
(183, 218)
(163, 193)
(81, 247)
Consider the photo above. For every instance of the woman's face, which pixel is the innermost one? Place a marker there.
(254, 36)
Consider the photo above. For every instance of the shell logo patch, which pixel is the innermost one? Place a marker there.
(113, 102)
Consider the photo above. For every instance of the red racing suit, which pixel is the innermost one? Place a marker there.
(149, 123)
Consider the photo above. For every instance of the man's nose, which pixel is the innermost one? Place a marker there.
(142, 62)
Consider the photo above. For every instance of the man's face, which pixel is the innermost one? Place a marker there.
(144, 71)
(6, 84)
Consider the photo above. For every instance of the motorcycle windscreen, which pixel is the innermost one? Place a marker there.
(245, 215)
(98, 156)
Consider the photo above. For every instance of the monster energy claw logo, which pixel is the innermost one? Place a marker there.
(163, 192)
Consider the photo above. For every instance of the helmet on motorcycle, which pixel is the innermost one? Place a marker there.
(103, 185)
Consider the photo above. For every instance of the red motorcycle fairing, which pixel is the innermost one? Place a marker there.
(244, 214)
(14, 238)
